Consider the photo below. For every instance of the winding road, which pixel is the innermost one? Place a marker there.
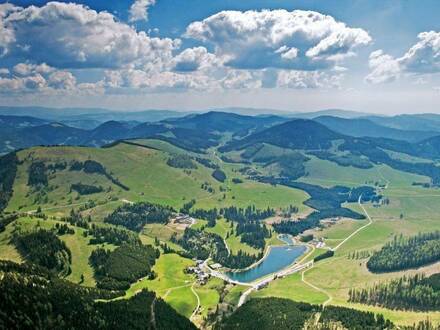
(370, 221)
(198, 302)
(359, 229)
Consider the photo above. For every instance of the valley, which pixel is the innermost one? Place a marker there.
(210, 209)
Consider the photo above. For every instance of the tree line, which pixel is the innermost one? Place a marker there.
(135, 216)
(111, 235)
(284, 314)
(91, 166)
(44, 248)
(416, 292)
(8, 171)
(32, 298)
(202, 245)
(116, 270)
(404, 253)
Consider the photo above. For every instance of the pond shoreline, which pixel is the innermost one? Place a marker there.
(227, 272)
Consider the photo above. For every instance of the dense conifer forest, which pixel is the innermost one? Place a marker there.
(135, 216)
(31, 298)
(8, 170)
(181, 161)
(409, 292)
(203, 245)
(277, 313)
(115, 270)
(404, 253)
(112, 235)
(85, 189)
(44, 248)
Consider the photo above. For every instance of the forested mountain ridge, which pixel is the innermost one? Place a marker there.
(361, 127)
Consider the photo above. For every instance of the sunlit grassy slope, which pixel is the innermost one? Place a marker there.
(146, 173)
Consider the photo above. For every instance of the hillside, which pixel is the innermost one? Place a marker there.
(360, 127)
(297, 177)
(193, 132)
(225, 122)
(294, 134)
(418, 122)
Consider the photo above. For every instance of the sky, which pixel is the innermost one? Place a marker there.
(374, 56)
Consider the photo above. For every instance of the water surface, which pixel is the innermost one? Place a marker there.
(279, 257)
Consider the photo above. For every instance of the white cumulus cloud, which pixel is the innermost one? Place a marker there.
(308, 79)
(69, 35)
(422, 58)
(301, 40)
(384, 68)
(192, 59)
(139, 10)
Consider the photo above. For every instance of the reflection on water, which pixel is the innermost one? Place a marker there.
(278, 258)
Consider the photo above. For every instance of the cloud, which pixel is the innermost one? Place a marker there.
(422, 58)
(384, 68)
(139, 10)
(68, 35)
(4, 71)
(241, 79)
(26, 69)
(45, 46)
(133, 79)
(6, 32)
(192, 59)
(28, 78)
(300, 40)
(308, 79)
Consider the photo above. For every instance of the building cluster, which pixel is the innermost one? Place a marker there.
(202, 276)
(183, 219)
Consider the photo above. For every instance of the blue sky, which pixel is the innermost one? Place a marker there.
(375, 56)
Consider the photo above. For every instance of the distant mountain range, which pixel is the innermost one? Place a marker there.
(361, 127)
(198, 131)
(89, 118)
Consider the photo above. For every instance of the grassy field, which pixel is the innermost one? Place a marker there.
(209, 296)
(8, 250)
(149, 178)
(327, 174)
(77, 243)
(136, 167)
(171, 283)
(291, 287)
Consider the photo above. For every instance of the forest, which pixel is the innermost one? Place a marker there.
(8, 170)
(406, 252)
(416, 292)
(37, 176)
(45, 249)
(313, 220)
(283, 314)
(253, 234)
(111, 235)
(219, 175)
(115, 270)
(135, 216)
(31, 298)
(91, 166)
(181, 161)
(202, 245)
(85, 189)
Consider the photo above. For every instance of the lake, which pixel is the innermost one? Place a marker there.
(279, 257)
